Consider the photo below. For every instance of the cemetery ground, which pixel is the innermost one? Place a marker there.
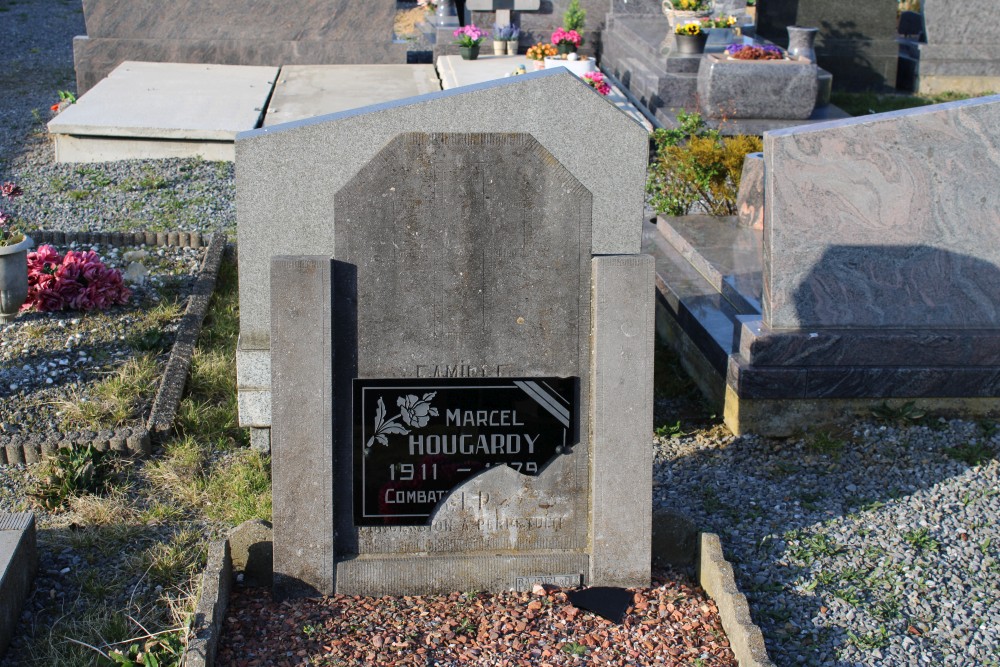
(877, 543)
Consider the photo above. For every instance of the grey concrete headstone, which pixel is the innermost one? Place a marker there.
(455, 231)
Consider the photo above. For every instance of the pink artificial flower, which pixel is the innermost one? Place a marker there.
(8, 190)
(561, 36)
(597, 82)
(79, 281)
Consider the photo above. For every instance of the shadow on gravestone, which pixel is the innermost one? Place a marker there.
(908, 287)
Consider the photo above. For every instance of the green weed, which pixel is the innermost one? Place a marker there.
(71, 472)
(921, 539)
(972, 454)
(876, 639)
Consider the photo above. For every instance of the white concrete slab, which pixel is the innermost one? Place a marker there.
(171, 101)
(162, 110)
(306, 91)
(455, 72)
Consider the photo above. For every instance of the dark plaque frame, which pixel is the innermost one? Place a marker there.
(446, 431)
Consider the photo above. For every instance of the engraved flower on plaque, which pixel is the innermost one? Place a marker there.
(413, 411)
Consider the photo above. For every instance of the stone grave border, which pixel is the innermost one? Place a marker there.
(687, 546)
(31, 448)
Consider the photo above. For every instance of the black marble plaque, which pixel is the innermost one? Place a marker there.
(415, 440)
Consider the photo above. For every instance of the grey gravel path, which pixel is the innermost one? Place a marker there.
(875, 547)
(879, 546)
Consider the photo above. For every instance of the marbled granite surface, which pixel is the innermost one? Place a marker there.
(960, 22)
(885, 221)
(862, 381)
(756, 89)
(750, 198)
(234, 32)
(303, 20)
(866, 347)
(620, 7)
(857, 38)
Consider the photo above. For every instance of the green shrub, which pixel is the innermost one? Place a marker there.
(574, 18)
(695, 169)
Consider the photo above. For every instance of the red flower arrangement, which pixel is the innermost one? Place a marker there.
(76, 281)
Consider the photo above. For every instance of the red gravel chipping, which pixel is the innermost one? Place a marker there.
(673, 623)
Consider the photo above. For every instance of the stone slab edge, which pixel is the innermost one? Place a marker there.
(210, 611)
(715, 575)
(17, 576)
(27, 449)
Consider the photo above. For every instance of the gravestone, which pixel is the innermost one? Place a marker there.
(961, 53)
(539, 24)
(456, 327)
(234, 32)
(881, 269)
(856, 41)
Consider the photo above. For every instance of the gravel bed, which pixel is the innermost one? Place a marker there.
(49, 359)
(671, 623)
(879, 546)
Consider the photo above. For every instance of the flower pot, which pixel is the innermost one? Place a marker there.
(690, 45)
(13, 278)
(512, 48)
(801, 42)
(566, 47)
(578, 67)
(469, 52)
(538, 64)
(499, 48)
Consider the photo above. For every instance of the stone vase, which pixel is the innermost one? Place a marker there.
(13, 278)
(802, 42)
(446, 15)
(512, 47)
(690, 45)
(469, 52)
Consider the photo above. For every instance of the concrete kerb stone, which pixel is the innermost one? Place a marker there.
(168, 397)
(18, 564)
(715, 575)
(676, 541)
(27, 449)
(206, 626)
